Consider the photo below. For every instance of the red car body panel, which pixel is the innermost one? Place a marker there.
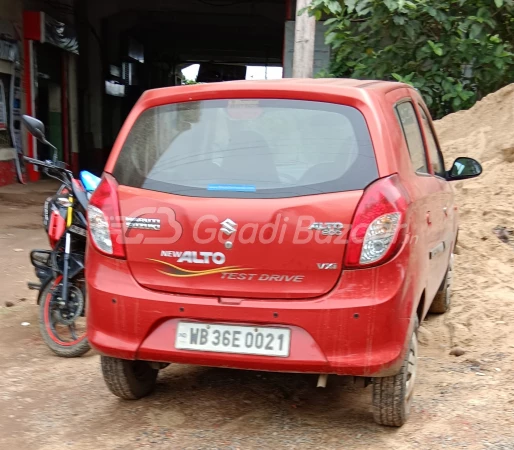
(288, 218)
(354, 322)
(359, 330)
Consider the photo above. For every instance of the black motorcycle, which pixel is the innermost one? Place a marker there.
(62, 289)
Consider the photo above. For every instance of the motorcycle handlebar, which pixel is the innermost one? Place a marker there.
(57, 166)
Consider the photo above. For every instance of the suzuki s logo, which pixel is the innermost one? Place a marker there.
(228, 227)
(327, 266)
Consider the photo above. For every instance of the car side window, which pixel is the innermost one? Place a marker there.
(436, 158)
(412, 132)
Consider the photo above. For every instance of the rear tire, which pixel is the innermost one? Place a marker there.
(442, 299)
(130, 380)
(392, 396)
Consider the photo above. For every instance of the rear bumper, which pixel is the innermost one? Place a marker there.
(360, 328)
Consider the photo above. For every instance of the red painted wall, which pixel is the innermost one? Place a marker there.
(7, 173)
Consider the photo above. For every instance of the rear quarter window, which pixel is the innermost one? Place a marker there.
(251, 148)
(412, 133)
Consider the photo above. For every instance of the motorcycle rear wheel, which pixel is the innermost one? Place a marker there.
(61, 339)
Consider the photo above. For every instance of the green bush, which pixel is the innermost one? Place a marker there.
(453, 51)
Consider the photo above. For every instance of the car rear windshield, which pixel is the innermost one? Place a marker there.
(248, 148)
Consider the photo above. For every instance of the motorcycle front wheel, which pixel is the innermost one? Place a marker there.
(63, 325)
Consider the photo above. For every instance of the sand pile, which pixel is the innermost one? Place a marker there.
(481, 318)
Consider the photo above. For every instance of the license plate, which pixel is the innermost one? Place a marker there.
(245, 340)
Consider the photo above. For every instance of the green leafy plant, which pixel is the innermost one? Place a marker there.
(453, 51)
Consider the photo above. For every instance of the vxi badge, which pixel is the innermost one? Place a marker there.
(327, 266)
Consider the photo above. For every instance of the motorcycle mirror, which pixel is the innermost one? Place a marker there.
(37, 129)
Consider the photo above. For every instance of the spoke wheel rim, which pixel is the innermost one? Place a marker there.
(65, 335)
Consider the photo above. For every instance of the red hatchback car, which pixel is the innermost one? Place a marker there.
(290, 225)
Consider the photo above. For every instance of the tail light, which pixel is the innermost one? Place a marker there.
(379, 224)
(104, 218)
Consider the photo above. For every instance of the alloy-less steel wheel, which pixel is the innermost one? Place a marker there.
(129, 380)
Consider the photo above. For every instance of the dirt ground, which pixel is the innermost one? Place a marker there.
(465, 402)
(50, 403)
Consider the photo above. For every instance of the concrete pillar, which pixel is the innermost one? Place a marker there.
(304, 35)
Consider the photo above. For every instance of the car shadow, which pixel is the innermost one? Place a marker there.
(246, 404)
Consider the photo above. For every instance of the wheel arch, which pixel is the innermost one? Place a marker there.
(420, 311)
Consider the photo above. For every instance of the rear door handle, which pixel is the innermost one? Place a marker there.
(429, 221)
(445, 210)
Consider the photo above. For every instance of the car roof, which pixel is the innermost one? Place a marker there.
(365, 95)
(313, 82)
(341, 86)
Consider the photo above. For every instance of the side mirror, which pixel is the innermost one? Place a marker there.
(36, 128)
(463, 168)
